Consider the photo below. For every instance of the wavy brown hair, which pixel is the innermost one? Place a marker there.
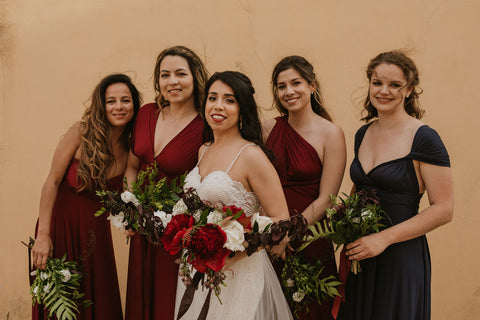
(305, 69)
(97, 152)
(197, 68)
(410, 71)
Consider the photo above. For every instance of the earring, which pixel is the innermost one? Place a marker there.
(240, 124)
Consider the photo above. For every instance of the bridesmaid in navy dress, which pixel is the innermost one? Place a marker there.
(400, 158)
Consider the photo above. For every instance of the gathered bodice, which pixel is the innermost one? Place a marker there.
(218, 187)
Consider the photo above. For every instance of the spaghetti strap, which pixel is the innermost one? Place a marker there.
(238, 154)
(203, 153)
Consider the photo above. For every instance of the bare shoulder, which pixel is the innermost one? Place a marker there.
(74, 133)
(329, 130)
(253, 156)
(267, 127)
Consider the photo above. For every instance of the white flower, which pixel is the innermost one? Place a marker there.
(44, 275)
(235, 238)
(356, 220)
(179, 208)
(298, 296)
(47, 287)
(66, 275)
(215, 217)
(290, 282)
(127, 197)
(262, 221)
(35, 290)
(197, 214)
(34, 272)
(117, 220)
(366, 213)
(165, 217)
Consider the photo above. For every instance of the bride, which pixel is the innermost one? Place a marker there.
(233, 169)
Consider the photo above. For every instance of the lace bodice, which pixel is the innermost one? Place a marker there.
(218, 187)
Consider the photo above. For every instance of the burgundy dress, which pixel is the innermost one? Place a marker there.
(300, 169)
(152, 271)
(76, 231)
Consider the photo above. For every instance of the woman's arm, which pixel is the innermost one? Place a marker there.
(64, 153)
(334, 160)
(438, 182)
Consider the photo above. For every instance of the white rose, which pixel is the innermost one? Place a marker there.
(179, 208)
(127, 197)
(215, 217)
(356, 220)
(262, 221)
(165, 217)
(66, 275)
(367, 213)
(235, 237)
(47, 287)
(290, 282)
(298, 296)
(117, 220)
(44, 275)
(34, 272)
(197, 214)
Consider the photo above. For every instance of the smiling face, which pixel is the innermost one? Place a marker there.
(222, 110)
(388, 88)
(118, 104)
(293, 90)
(176, 80)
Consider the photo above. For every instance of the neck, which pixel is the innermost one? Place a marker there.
(226, 137)
(389, 121)
(116, 134)
(181, 110)
(301, 117)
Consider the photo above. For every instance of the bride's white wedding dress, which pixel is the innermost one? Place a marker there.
(253, 290)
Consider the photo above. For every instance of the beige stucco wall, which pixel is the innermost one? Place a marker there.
(53, 52)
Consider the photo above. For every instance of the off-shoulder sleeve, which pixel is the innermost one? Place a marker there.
(428, 147)
(359, 137)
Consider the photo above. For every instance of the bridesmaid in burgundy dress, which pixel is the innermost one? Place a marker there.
(97, 146)
(168, 132)
(310, 156)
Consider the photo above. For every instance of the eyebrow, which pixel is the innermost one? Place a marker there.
(299, 78)
(180, 69)
(226, 94)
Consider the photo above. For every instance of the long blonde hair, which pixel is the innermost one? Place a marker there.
(97, 152)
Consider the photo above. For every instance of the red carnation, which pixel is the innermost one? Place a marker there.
(173, 234)
(205, 245)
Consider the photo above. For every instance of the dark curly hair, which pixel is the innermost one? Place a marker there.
(401, 60)
(249, 123)
(97, 152)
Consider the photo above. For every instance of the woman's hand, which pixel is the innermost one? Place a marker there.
(280, 249)
(367, 247)
(129, 232)
(42, 249)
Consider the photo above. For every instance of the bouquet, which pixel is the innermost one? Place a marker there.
(349, 219)
(206, 234)
(57, 288)
(302, 284)
(143, 208)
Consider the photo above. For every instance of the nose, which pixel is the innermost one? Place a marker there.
(384, 89)
(289, 90)
(173, 80)
(218, 104)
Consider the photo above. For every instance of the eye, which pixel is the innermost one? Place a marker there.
(212, 98)
(126, 100)
(182, 74)
(396, 85)
(281, 87)
(296, 83)
(230, 100)
(110, 101)
(376, 83)
(164, 75)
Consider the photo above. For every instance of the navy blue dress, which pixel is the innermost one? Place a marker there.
(395, 285)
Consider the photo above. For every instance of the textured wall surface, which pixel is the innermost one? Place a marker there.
(52, 53)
